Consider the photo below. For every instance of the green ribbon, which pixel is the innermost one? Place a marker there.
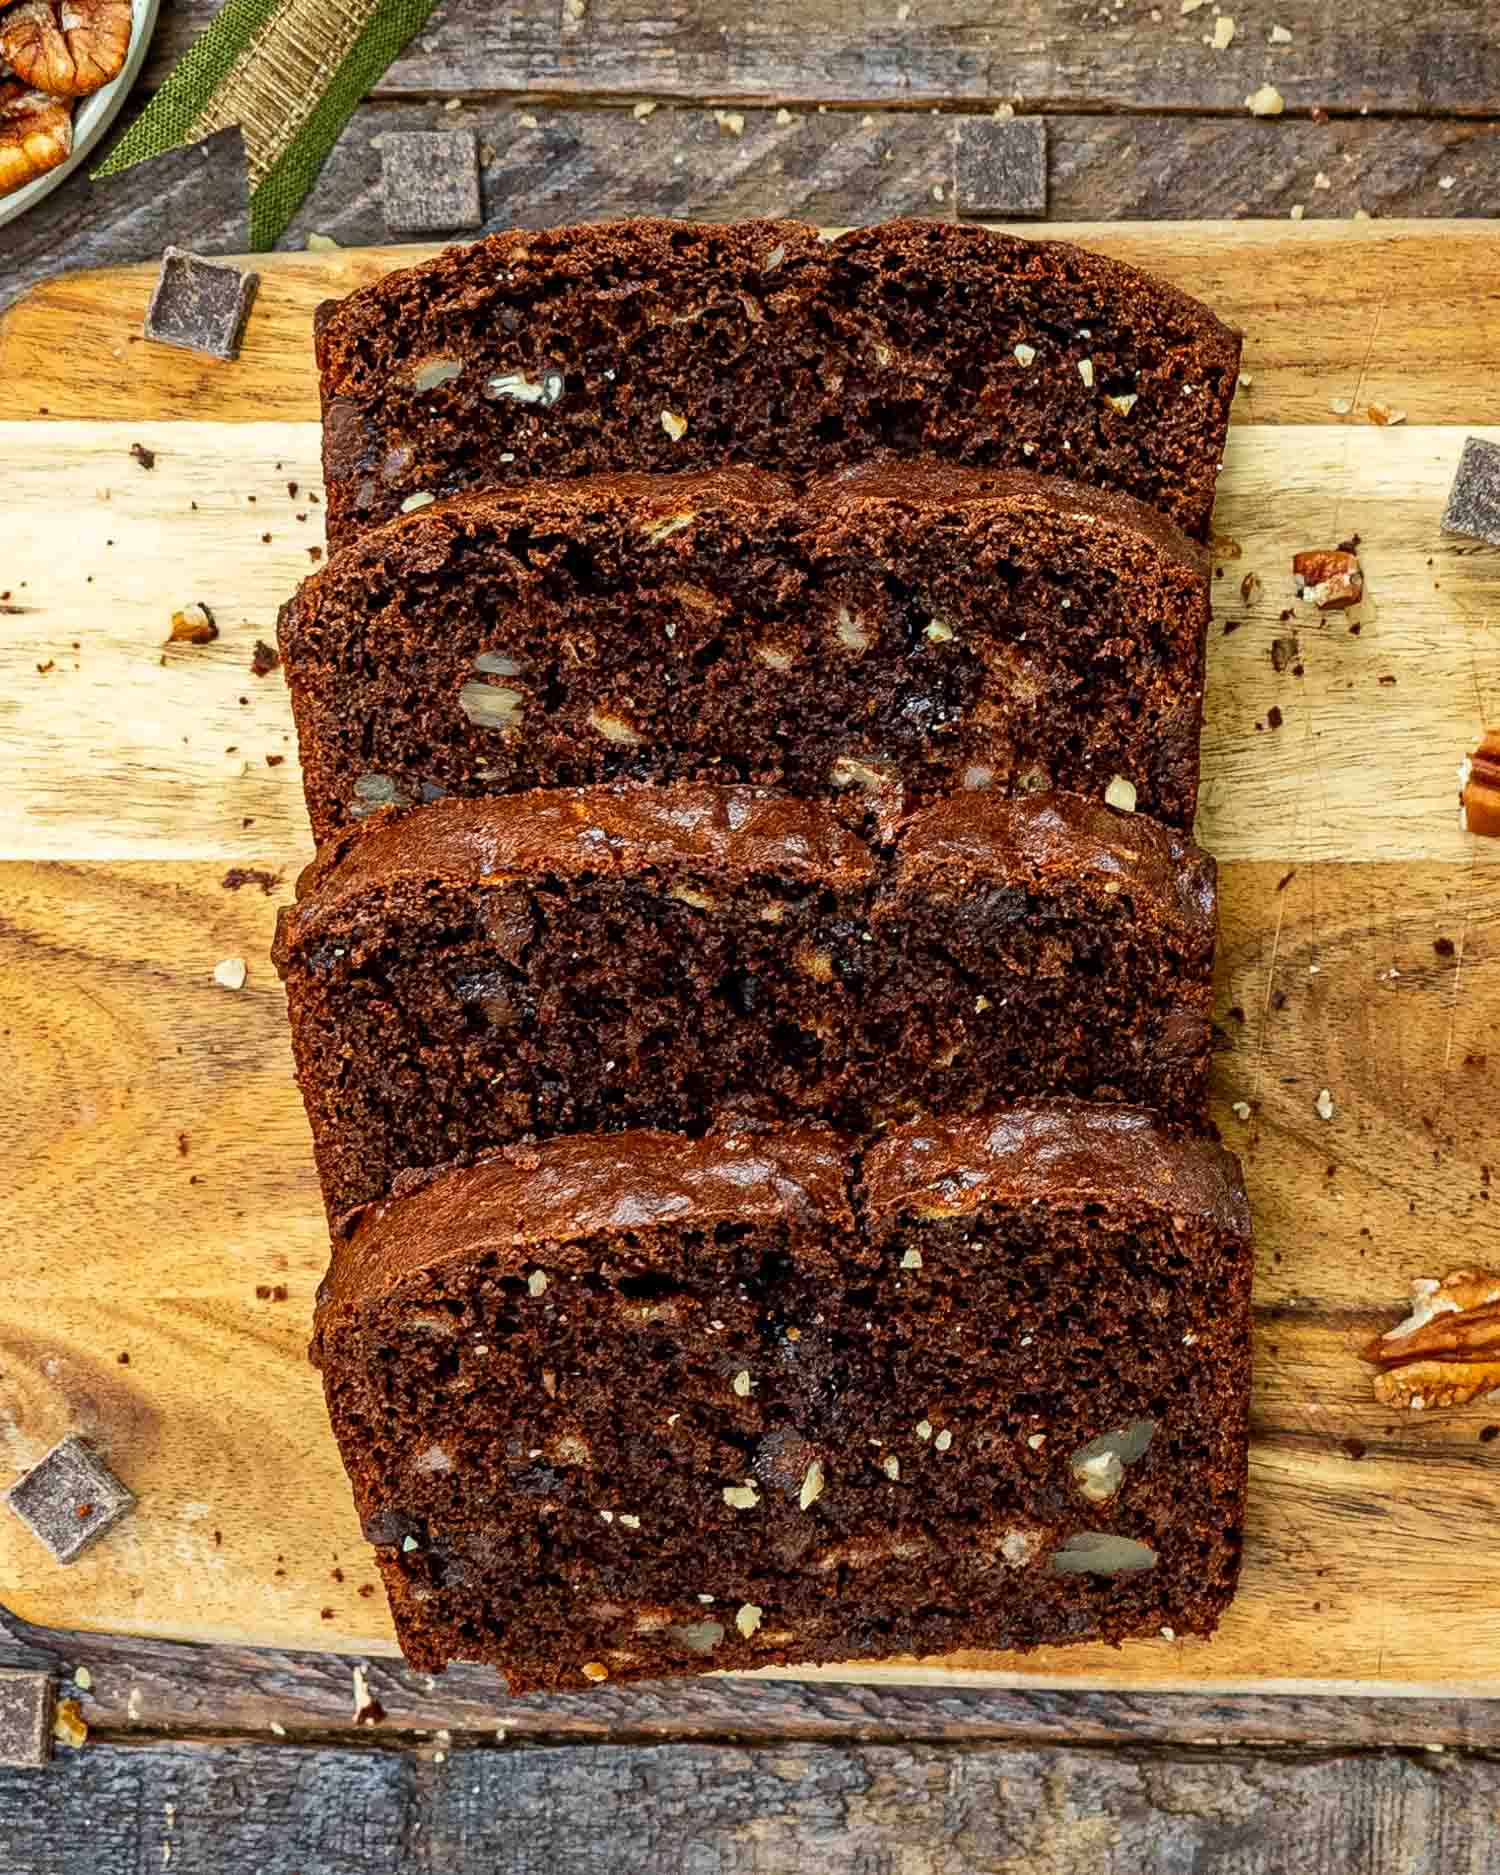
(224, 73)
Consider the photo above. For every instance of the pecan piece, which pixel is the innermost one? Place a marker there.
(1329, 578)
(1479, 788)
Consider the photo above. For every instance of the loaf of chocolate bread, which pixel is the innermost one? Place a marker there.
(895, 634)
(582, 960)
(665, 346)
(630, 1406)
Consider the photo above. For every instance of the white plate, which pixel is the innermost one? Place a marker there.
(92, 116)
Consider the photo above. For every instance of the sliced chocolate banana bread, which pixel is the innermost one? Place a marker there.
(625, 1407)
(566, 961)
(666, 346)
(897, 633)
(581, 960)
(1038, 946)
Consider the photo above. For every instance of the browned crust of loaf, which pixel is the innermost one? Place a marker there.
(590, 1185)
(1060, 1152)
(924, 483)
(603, 829)
(1056, 839)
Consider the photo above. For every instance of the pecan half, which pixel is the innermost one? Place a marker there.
(1447, 1351)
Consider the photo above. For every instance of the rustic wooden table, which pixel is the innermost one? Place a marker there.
(203, 1759)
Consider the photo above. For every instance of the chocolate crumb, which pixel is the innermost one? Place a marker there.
(1443, 946)
(1236, 1014)
(337, 1574)
(145, 457)
(315, 553)
(1355, 629)
(1283, 651)
(366, 1590)
(327, 1614)
(1388, 680)
(182, 1144)
(200, 305)
(274, 761)
(291, 488)
(1274, 717)
(50, 665)
(1286, 879)
(1356, 1448)
(1278, 999)
(123, 1358)
(265, 657)
(250, 875)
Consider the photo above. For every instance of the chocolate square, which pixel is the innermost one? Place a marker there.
(69, 1499)
(430, 180)
(1002, 166)
(25, 1718)
(1473, 508)
(200, 305)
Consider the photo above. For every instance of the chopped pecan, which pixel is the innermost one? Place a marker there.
(1329, 578)
(1447, 1351)
(1479, 785)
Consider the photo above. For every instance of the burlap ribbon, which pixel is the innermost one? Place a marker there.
(288, 72)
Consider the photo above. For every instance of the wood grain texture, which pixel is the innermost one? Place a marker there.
(102, 552)
(1384, 310)
(1385, 57)
(146, 1687)
(217, 1425)
(840, 166)
(722, 1810)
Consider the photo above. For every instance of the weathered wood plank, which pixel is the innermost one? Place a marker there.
(142, 1687)
(842, 167)
(644, 1810)
(847, 166)
(1388, 56)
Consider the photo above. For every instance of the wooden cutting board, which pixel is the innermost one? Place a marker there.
(159, 1184)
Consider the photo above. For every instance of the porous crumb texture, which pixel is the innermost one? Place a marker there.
(665, 346)
(889, 637)
(585, 960)
(629, 1407)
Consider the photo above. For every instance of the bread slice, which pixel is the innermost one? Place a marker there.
(627, 1407)
(895, 634)
(583, 960)
(665, 346)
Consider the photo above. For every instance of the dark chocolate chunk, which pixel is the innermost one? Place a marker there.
(25, 1718)
(430, 180)
(200, 305)
(69, 1499)
(1002, 166)
(1474, 500)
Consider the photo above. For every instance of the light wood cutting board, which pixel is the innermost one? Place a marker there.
(158, 1172)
